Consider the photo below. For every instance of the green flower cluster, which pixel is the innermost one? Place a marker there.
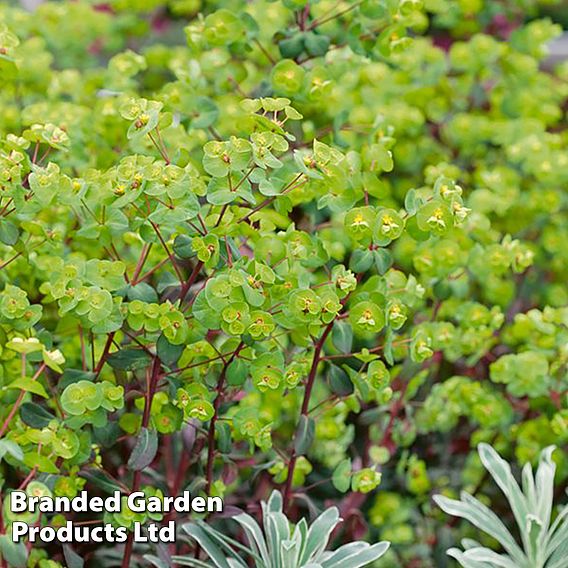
(460, 397)
(152, 317)
(88, 401)
(84, 289)
(126, 517)
(524, 373)
(16, 310)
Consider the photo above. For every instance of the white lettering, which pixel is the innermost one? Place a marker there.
(19, 529)
(137, 503)
(18, 501)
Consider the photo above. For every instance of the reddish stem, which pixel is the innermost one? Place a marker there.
(152, 384)
(104, 355)
(190, 281)
(140, 264)
(19, 402)
(215, 417)
(305, 408)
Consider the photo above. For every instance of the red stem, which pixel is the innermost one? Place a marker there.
(140, 263)
(305, 408)
(190, 281)
(104, 356)
(149, 397)
(214, 418)
(166, 248)
(18, 402)
(269, 200)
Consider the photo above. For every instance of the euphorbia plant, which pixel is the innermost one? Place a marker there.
(277, 245)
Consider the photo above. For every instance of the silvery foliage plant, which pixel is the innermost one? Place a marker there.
(278, 545)
(544, 541)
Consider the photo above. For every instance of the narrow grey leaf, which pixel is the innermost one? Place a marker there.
(145, 450)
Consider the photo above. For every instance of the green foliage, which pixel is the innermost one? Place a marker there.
(313, 246)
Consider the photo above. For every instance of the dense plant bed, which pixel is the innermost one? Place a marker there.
(310, 254)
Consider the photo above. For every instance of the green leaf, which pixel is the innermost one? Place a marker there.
(291, 47)
(107, 435)
(169, 354)
(271, 187)
(143, 292)
(380, 158)
(129, 359)
(388, 348)
(361, 260)
(414, 231)
(101, 479)
(29, 385)
(237, 372)
(205, 113)
(35, 416)
(372, 9)
(383, 260)
(224, 437)
(9, 233)
(411, 202)
(74, 376)
(15, 554)
(72, 559)
(42, 463)
(183, 248)
(316, 45)
(304, 435)
(341, 478)
(10, 447)
(339, 381)
(26, 346)
(342, 336)
(144, 451)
